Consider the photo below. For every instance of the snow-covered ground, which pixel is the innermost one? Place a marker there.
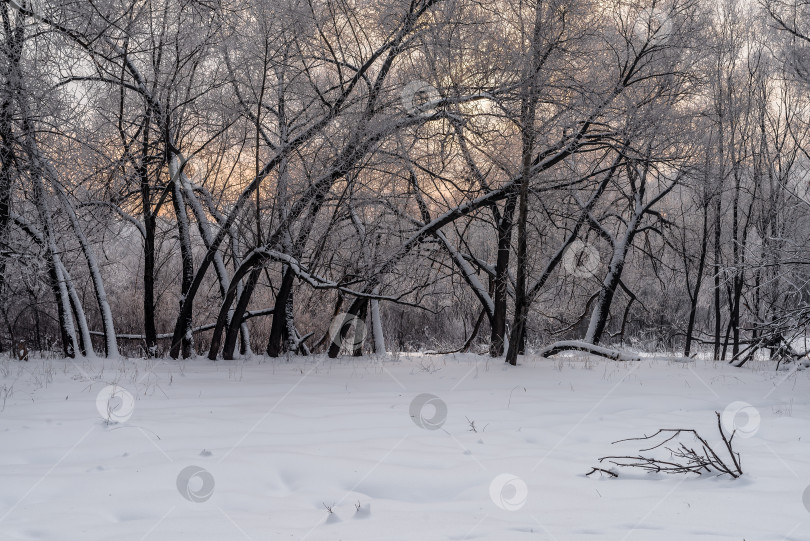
(258, 449)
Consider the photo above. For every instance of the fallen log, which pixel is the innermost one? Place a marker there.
(576, 345)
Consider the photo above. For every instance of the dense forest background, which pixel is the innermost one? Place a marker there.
(235, 176)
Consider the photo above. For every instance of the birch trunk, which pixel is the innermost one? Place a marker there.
(376, 326)
(110, 341)
(184, 236)
(85, 339)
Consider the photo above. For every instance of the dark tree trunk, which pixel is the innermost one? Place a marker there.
(6, 167)
(603, 303)
(505, 227)
(150, 330)
(224, 311)
(358, 307)
(717, 319)
(149, 226)
(528, 110)
(12, 51)
(68, 347)
(239, 310)
(237, 317)
(357, 349)
(187, 273)
(738, 260)
(735, 315)
(693, 300)
(278, 330)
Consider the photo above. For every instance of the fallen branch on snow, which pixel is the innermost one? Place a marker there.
(683, 458)
(576, 345)
(595, 469)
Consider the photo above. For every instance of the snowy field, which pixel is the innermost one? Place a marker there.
(259, 449)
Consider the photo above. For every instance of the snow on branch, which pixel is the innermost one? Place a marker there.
(576, 345)
(316, 282)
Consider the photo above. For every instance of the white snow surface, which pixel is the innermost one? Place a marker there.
(282, 439)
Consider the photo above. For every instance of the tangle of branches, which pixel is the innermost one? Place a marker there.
(684, 457)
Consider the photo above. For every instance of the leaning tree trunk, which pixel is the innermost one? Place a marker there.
(85, 339)
(54, 278)
(357, 309)
(64, 302)
(186, 255)
(67, 329)
(283, 311)
(110, 341)
(235, 324)
(207, 236)
(36, 169)
(601, 311)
